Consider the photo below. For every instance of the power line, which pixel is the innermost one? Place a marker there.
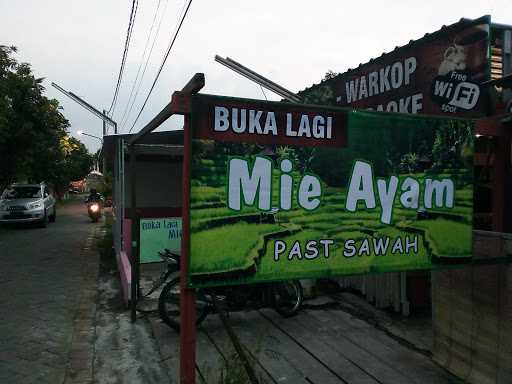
(263, 91)
(131, 101)
(140, 63)
(131, 23)
(183, 14)
(162, 65)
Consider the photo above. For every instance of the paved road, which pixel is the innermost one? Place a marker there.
(48, 308)
(40, 280)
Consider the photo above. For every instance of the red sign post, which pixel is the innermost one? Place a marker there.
(187, 299)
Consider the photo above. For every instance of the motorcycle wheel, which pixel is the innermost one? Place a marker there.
(169, 305)
(287, 297)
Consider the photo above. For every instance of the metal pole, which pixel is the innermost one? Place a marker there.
(256, 75)
(259, 79)
(104, 166)
(104, 124)
(187, 299)
(135, 234)
(85, 104)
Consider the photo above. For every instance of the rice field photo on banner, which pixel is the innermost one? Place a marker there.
(284, 191)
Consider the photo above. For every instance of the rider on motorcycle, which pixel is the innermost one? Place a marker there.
(94, 205)
(94, 196)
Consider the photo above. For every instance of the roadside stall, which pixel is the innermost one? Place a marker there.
(459, 70)
(280, 191)
(158, 197)
(465, 70)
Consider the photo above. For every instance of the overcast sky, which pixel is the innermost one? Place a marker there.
(79, 44)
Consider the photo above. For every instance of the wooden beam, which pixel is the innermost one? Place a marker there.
(494, 126)
(195, 84)
(498, 190)
(180, 103)
(483, 159)
(491, 245)
(502, 80)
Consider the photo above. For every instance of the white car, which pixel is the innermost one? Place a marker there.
(25, 203)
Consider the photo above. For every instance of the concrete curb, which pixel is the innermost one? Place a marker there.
(80, 368)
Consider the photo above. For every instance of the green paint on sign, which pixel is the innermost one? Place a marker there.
(396, 195)
(158, 234)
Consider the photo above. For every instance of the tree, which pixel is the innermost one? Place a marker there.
(34, 144)
(330, 74)
(453, 145)
(409, 163)
(74, 164)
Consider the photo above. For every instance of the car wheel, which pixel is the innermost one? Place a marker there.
(44, 221)
(53, 217)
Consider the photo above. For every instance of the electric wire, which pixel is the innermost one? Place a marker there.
(134, 84)
(177, 27)
(162, 64)
(263, 91)
(131, 23)
(137, 85)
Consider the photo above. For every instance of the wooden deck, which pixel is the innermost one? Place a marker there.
(320, 346)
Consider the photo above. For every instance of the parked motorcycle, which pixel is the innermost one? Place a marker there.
(94, 211)
(285, 297)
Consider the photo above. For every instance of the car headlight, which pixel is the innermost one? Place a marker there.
(3, 207)
(35, 205)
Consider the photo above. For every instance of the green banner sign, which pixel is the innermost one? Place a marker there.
(158, 234)
(283, 191)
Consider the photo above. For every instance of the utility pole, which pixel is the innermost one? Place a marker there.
(103, 116)
(105, 125)
(258, 79)
(80, 133)
(104, 165)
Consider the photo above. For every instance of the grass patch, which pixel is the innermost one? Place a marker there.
(203, 194)
(344, 235)
(105, 243)
(337, 264)
(320, 226)
(231, 245)
(227, 248)
(210, 213)
(336, 219)
(447, 238)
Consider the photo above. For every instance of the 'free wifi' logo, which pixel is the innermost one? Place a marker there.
(452, 91)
